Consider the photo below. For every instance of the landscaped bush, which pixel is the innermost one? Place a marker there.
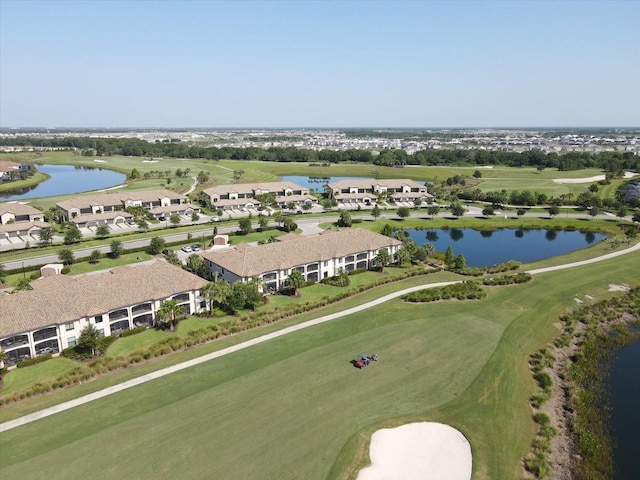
(468, 290)
(33, 361)
(518, 278)
(133, 331)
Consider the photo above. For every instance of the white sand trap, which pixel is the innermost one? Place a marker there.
(595, 178)
(100, 161)
(618, 288)
(424, 451)
(149, 161)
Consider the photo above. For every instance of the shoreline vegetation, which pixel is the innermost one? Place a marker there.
(32, 181)
(571, 406)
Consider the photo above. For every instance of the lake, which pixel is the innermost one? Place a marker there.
(65, 180)
(487, 248)
(624, 385)
(317, 183)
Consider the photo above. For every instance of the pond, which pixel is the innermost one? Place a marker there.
(625, 411)
(487, 248)
(65, 180)
(317, 183)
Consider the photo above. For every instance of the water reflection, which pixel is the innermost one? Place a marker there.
(456, 234)
(551, 235)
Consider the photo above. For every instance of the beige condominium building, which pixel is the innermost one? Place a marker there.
(243, 195)
(315, 256)
(51, 316)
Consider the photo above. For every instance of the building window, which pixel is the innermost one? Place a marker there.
(326, 264)
(98, 319)
(71, 341)
(68, 326)
(100, 332)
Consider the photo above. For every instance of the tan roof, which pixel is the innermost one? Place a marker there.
(6, 166)
(251, 188)
(61, 299)
(296, 198)
(117, 198)
(411, 195)
(23, 226)
(248, 261)
(394, 183)
(17, 208)
(174, 208)
(354, 196)
(100, 216)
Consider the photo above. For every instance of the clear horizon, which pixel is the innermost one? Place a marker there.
(234, 65)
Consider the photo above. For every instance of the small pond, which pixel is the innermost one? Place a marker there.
(624, 386)
(487, 248)
(317, 183)
(66, 180)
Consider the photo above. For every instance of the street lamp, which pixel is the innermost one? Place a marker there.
(24, 275)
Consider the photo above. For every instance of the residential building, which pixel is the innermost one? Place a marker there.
(9, 170)
(367, 191)
(315, 256)
(50, 317)
(14, 212)
(244, 195)
(85, 210)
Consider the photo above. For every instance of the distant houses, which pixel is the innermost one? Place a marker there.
(11, 170)
(367, 191)
(20, 220)
(110, 208)
(247, 195)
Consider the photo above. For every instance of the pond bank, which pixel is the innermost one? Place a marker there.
(579, 401)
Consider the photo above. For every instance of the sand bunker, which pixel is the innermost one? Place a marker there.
(618, 288)
(432, 451)
(595, 178)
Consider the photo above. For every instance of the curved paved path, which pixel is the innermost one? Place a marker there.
(264, 338)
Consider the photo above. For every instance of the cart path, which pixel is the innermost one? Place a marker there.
(264, 338)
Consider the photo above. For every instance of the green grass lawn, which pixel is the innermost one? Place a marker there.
(295, 408)
(21, 378)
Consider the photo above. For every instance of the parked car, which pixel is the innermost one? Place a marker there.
(186, 249)
(214, 219)
(167, 251)
(162, 218)
(195, 248)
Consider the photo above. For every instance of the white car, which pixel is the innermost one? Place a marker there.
(186, 249)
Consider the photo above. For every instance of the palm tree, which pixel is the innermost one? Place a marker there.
(170, 312)
(295, 280)
(382, 259)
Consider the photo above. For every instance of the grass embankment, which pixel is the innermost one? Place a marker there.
(29, 182)
(294, 407)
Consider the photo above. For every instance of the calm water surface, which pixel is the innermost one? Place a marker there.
(482, 249)
(624, 385)
(65, 180)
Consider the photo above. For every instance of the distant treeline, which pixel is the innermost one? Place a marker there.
(614, 162)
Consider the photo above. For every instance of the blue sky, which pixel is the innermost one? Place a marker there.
(319, 64)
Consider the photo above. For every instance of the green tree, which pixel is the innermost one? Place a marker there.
(116, 248)
(488, 211)
(23, 283)
(143, 225)
(66, 256)
(244, 226)
(72, 235)
(460, 262)
(403, 212)
(175, 220)
(88, 339)
(263, 222)
(622, 212)
(289, 225)
(417, 202)
(197, 265)
(46, 234)
(195, 217)
(295, 280)
(278, 218)
(376, 212)
(345, 219)
(520, 212)
(382, 259)
(102, 231)
(432, 210)
(553, 210)
(3, 273)
(135, 174)
(457, 210)
(170, 313)
(173, 259)
(403, 255)
(449, 258)
(94, 257)
(477, 174)
(156, 245)
(594, 211)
